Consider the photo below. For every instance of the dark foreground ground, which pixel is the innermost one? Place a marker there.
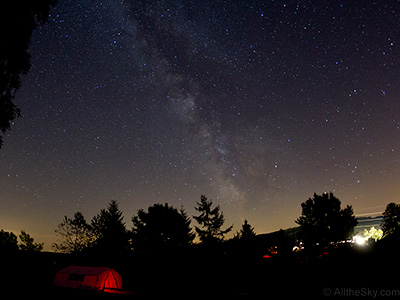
(369, 272)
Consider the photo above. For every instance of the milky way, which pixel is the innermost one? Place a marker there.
(256, 104)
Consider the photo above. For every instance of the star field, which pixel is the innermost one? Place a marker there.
(256, 104)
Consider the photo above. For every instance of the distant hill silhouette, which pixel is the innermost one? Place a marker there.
(289, 232)
(367, 222)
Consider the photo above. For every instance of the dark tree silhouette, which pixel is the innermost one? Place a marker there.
(246, 233)
(161, 228)
(8, 242)
(245, 247)
(391, 218)
(110, 234)
(74, 235)
(323, 221)
(28, 244)
(18, 19)
(211, 221)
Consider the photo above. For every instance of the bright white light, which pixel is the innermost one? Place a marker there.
(359, 240)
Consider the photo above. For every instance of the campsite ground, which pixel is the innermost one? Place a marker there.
(349, 268)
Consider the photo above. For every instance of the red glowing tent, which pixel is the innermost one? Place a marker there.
(93, 278)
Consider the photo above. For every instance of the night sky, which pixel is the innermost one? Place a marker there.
(256, 104)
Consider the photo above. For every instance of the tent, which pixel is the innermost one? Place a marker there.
(93, 278)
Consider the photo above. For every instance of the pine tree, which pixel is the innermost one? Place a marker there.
(210, 221)
(246, 233)
(111, 236)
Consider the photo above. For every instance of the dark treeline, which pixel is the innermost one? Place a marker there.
(167, 252)
(18, 20)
